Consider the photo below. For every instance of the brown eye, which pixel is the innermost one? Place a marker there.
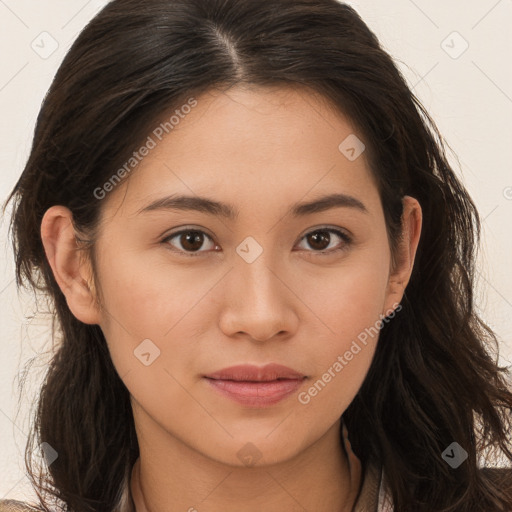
(190, 241)
(320, 240)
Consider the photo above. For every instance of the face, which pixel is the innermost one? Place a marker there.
(187, 291)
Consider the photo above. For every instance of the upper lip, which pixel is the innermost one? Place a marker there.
(247, 372)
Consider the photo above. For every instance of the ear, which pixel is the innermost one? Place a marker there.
(72, 271)
(406, 252)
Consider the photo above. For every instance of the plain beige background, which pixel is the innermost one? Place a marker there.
(455, 55)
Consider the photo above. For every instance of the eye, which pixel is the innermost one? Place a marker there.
(320, 239)
(190, 241)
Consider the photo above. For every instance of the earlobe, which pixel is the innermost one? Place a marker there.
(406, 252)
(66, 260)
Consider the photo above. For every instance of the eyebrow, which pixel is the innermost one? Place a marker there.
(227, 211)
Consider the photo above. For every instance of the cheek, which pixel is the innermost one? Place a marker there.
(148, 300)
(348, 309)
(351, 298)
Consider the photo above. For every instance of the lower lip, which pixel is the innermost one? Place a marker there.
(256, 394)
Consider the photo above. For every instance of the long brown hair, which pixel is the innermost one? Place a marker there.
(434, 379)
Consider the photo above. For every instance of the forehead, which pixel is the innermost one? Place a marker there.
(248, 142)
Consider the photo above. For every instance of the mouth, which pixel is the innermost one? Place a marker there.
(252, 373)
(254, 386)
(256, 394)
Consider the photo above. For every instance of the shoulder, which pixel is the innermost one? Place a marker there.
(16, 506)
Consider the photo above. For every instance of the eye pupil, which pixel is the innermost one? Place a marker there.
(319, 236)
(192, 240)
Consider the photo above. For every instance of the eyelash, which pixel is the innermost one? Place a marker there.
(346, 239)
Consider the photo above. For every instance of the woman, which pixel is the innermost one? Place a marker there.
(256, 250)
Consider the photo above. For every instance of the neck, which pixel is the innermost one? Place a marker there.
(172, 476)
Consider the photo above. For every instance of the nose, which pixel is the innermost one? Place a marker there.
(258, 302)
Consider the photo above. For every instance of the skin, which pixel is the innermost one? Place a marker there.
(261, 150)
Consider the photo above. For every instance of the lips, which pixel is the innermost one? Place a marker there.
(255, 386)
(252, 373)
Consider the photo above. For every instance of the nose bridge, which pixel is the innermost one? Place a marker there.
(253, 269)
(258, 303)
